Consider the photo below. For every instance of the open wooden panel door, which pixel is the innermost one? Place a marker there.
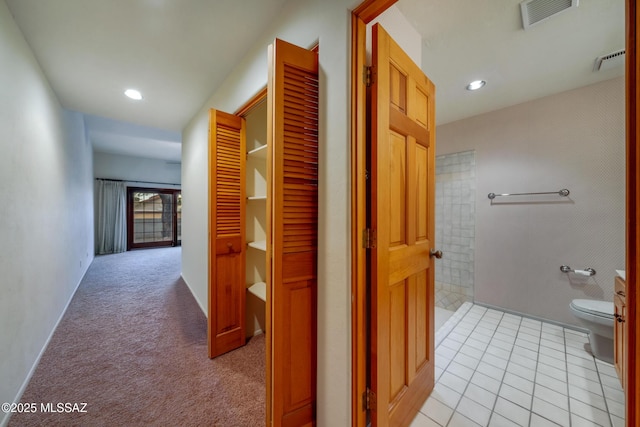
(632, 293)
(402, 217)
(292, 212)
(227, 159)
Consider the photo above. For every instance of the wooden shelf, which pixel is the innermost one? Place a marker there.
(250, 198)
(261, 245)
(259, 289)
(259, 153)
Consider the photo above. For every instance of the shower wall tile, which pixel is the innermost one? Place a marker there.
(455, 228)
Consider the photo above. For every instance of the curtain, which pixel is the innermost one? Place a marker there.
(111, 217)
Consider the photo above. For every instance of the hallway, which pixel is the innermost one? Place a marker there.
(132, 346)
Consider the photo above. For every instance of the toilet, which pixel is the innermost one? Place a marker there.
(597, 316)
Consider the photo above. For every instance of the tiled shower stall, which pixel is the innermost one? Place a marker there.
(455, 228)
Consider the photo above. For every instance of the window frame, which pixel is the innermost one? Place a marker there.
(131, 245)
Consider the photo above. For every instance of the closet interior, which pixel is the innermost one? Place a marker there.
(256, 219)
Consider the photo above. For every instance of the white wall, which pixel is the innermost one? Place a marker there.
(46, 210)
(573, 140)
(302, 22)
(400, 30)
(129, 168)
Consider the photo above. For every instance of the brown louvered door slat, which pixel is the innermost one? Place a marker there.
(227, 232)
(293, 235)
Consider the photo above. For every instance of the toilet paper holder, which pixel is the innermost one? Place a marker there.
(586, 272)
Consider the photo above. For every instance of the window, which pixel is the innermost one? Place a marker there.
(154, 217)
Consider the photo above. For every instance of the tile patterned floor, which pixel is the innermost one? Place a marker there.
(499, 369)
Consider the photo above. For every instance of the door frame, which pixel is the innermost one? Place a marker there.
(131, 245)
(366, 12)
(632, 76)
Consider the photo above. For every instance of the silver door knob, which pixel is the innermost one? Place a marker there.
(434, 253)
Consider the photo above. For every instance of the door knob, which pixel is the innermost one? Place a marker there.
(434, 253)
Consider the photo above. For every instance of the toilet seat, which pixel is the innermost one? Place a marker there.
(594, 307)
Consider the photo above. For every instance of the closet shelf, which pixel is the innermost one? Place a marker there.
(261, 245)
(256, 198)
(259, 289)
(259, 153)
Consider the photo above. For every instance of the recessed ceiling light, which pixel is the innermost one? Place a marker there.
(133, 94)
(476, 84)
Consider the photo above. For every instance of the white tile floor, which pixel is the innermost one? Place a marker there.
(499, 369)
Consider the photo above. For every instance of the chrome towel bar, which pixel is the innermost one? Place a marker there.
(564, 193)
(586, 272)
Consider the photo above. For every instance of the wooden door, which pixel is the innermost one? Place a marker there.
(632, 293)
(227, 153)
(619, 338)
(292, 212)
(402, 218)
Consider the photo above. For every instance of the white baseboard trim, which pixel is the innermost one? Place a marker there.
(25, 383)
(202, 307)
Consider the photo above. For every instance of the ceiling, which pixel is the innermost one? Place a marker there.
(176, 52)
(466, 40)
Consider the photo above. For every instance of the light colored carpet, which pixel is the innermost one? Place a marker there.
(133, 346)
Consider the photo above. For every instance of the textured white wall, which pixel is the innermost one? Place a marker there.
(573, 140)
(401, 30)
(129, 168)
(46, 210)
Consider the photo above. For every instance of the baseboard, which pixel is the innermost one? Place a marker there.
(530, 316)
(256, 333)
(25, 383)
(202, 307)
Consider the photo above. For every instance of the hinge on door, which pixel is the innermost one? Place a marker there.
(369, 400)
(368, 76)
(368, 238)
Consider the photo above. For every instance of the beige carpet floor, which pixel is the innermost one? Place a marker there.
(133, 347)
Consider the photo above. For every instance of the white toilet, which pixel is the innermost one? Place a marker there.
(597, 316)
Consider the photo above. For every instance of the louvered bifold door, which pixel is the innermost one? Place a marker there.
(292, 240)
(227, 232)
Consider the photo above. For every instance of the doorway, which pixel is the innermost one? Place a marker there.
(393, 242)
(365, 13)
(290, 225)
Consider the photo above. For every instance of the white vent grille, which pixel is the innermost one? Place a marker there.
(611, 60)
(536, 11)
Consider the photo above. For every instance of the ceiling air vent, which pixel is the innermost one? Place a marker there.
(536, 11)
(610, 60)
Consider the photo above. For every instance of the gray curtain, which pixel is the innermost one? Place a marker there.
(111, 217)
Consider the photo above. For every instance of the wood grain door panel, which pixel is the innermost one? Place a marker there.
(227, 150)
(292, 209)
(402, 206)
